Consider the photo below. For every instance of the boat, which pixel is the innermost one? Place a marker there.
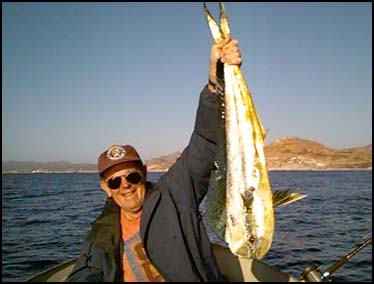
(233, 268)
(57, 273)
(237, 269)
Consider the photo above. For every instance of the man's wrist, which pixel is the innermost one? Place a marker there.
(212, 86)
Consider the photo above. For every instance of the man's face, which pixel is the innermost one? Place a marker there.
(127, 188)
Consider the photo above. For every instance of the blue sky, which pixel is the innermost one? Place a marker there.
(80, 77)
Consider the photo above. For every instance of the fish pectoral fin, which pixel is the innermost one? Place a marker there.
(287, 196)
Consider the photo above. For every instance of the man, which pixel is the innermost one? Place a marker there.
(154, 232)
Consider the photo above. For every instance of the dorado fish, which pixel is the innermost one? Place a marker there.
(240, 200)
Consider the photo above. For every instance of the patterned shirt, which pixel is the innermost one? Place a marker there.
(136, 265)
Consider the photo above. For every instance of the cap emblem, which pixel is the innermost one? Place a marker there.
(116, 152)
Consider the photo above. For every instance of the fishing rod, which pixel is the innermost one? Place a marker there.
(313, 274)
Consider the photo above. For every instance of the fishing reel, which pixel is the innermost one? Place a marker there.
(313, 274)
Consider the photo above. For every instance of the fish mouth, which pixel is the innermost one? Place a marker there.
(261, 247)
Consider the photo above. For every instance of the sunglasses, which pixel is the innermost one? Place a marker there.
(132, 177)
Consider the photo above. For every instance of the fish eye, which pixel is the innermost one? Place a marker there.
(252, 239)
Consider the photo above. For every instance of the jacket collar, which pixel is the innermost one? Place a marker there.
(105, 231)
(151, 201)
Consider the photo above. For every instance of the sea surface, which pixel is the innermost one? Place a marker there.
(45, 217)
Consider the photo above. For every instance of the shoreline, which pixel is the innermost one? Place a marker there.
(320, 170)
(164, 171)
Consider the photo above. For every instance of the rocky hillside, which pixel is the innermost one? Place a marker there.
(163, 163)
(294, 153)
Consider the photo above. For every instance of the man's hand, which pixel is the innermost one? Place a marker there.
(228, 52)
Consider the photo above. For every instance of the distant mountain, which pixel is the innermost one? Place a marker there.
(285, 153)
(161, 164)
(364, 149)
(48, 167)
(292, 153)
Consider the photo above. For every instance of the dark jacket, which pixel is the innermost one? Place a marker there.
(171, 229)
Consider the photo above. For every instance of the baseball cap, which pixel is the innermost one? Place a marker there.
(117, 155)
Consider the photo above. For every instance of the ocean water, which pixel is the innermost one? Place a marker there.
(45, 217)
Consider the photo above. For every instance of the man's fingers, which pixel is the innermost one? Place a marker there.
(223, 42)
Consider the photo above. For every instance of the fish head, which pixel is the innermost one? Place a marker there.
(254, 247)
(258, 246)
